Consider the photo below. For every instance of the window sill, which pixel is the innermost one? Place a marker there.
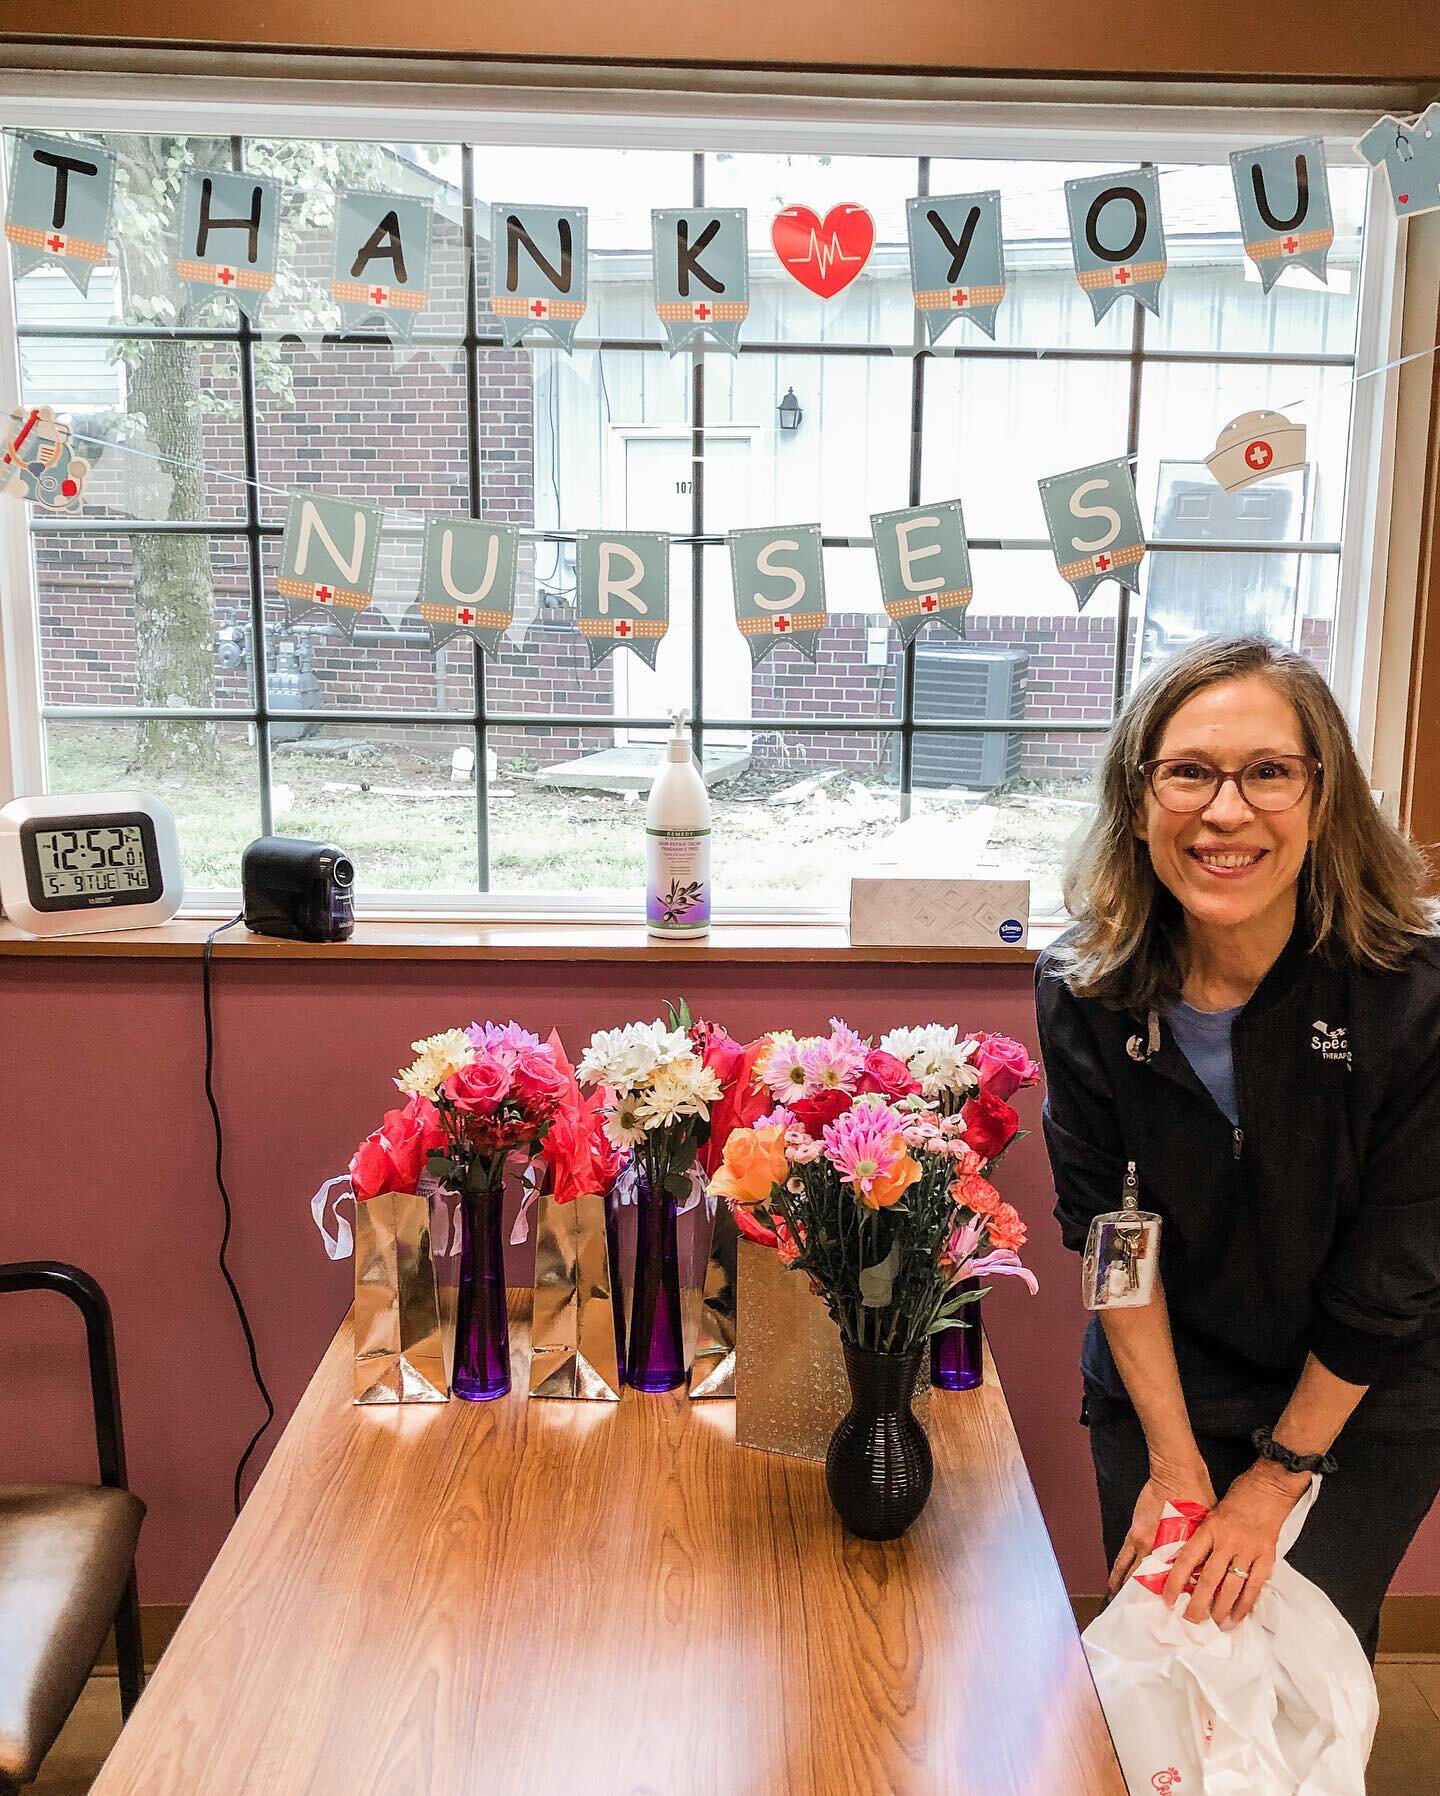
(415, 939)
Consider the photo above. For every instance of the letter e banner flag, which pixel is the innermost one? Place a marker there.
(467, 579)
(957, 260)
(1094, 525)
(924, 563)
(779, 577)
(327, 557)
(538, 278)
(381, 274)
(1117, 237)
(229, 230)
(702, 275)
(59, 211)
(623, 590)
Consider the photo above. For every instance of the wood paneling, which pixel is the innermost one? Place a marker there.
(615, 1598)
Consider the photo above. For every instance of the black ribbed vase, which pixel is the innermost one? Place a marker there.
(879, 1468)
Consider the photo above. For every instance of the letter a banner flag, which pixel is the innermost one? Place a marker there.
(779, 578)
(623, 591)
(537, 271)
(1117, 237)
(467, 579)
(957, 260)
(327, 557)
(59, 211)
(229, 228)
(1283, 192)
(1094, 526)
(381, 275)
(702, 275)
(924, 563)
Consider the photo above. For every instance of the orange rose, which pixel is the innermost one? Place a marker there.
(889, 1187)
(754, 1164)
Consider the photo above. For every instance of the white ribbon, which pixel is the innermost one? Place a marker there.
(520, 1233)
(341, 1244)
(444, 1229)
(697, 1191)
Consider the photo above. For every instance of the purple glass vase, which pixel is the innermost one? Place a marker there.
(656, 1357)
(957, 1357)
(482, 1324)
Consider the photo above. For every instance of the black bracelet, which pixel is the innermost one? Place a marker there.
(1268, 1447)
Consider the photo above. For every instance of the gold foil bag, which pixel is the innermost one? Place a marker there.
(399, 1355)
(712, 1372)
(790, 1383)
(573, 1349)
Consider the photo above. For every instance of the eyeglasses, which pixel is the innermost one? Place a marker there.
(1271, 783)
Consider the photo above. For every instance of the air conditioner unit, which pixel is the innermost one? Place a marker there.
(955, 680)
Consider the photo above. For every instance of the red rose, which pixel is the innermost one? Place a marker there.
(478, 1088)
(539, 1082)
(1004, 1066)
(813, 1114)
(887, 1074)
(990, 1124)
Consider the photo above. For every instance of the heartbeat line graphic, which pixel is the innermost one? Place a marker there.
(824, 254)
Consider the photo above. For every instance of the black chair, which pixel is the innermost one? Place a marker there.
(67, 1560)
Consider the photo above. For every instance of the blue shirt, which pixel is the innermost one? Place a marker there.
(1203, 1037)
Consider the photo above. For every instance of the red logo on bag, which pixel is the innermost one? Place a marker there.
(1165, 1781)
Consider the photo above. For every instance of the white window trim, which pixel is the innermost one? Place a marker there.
(366, 111)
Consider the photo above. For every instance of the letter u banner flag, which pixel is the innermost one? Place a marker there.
(702, 276)
(381, 274)
(1283, 192)
(623, 590)
(1094, 525)
(327, 557)
(538, 277)
(1117, 237)
(924, 563)
(59, 211)
(957, 260)
(467, 579)
(229, 230)
(779, 579)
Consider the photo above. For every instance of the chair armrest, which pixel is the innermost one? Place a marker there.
(90, 1300)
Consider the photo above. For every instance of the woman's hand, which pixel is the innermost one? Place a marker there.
(1166, 1484)
(1241, 1531)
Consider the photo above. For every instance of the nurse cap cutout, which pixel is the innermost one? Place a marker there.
(1256, 446)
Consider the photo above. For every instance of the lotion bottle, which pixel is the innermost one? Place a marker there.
(677, 842)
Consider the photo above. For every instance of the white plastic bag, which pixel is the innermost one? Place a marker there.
(1284, 1704)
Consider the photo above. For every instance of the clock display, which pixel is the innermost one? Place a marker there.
(72, 863)
(94, 862)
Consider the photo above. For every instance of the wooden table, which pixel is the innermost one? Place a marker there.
(552, 1598)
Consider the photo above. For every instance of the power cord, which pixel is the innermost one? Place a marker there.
(229, 1213)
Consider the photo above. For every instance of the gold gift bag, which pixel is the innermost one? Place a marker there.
(790, 1383)
(573, 1346)
(399, 1356)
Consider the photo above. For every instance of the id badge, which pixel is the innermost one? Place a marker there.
(1122, 1254)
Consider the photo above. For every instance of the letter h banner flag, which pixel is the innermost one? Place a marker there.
(1094, 525)
(229, 231)
(702, 275)
(59, 211)
(623, 591)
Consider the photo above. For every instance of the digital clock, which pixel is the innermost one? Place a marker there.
(88, 861)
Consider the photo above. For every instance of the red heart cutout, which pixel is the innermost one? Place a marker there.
(824, 256)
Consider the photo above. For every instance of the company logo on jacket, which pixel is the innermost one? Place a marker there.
(1165, 1781)
(1331, 1044)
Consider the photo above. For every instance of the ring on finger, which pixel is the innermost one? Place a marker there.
(1238, 1571)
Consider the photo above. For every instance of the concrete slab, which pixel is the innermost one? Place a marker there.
(631, 768)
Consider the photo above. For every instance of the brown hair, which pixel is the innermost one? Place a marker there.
(1362, 888)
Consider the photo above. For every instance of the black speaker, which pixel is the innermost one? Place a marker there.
(303, 891)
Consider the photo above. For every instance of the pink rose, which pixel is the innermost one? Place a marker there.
(887, 1074)
(1004, 1065)
(478, 1089)
(539, 1082)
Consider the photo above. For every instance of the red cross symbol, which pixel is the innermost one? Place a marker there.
(782, 624)
(56, 243)
(1102, 564)
(1259, 454)
(1290, 245)
(224, 276)
(464, 615)
(378, 295)
(622, 629)
(539, 308)
(702, 312)
(960, 296)
(1122, 275)
(928, 604)
(324, 594)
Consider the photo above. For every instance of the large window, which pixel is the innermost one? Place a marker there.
(164, 659)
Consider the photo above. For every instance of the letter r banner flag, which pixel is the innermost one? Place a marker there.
(623, 591)
(702, 275)
(1094, 525)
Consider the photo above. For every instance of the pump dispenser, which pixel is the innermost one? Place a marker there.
(677, 842)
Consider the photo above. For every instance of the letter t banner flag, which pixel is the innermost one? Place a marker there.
(59, 210)
(467, 579)
(327, 557)
(229, 230)
(1117, 237)
(381, 274)
(779, 577)
(1094, 525)
(1283, 194)
(924, 563)
(623, 591)
(702, 275)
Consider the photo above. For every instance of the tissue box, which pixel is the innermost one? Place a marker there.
(934, 912)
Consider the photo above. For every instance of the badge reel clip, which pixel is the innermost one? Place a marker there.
(1122, 1253)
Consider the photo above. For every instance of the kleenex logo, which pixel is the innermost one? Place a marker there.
(1331, 1044)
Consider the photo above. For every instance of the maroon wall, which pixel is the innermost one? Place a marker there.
(106, 1154)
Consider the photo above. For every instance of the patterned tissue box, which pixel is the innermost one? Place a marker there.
(938, 913)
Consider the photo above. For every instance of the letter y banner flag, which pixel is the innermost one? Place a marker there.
(623, 591)
(59, 211)
(1094, 525)
(702, 275)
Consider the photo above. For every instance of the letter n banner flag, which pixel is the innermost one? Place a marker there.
(1094, 525)
(327, 557)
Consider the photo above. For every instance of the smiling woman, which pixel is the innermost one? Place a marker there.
(1247, 1015)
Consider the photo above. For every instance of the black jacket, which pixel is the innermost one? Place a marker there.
(1314, 1226)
